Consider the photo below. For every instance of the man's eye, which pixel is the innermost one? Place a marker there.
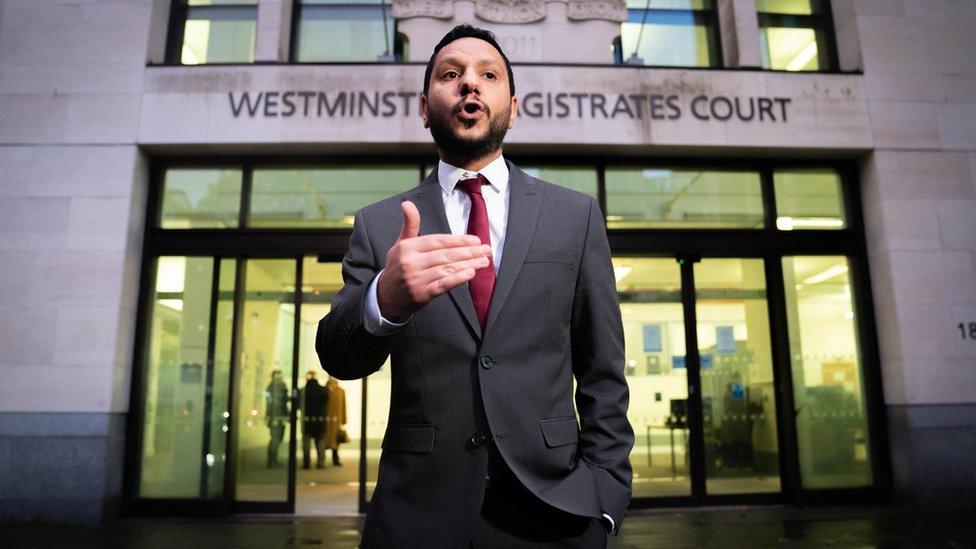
(450, 74)
(490, 75)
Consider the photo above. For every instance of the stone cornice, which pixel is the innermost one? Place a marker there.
(513, 11)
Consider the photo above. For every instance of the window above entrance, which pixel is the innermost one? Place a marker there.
(345, 30)
(668, 33)
(662, 197)
(793, 35)
(212, 31)
(648, 196)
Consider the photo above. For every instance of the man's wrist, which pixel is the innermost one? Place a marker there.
(373, 319)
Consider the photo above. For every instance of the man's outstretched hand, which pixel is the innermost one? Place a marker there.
(420, 268)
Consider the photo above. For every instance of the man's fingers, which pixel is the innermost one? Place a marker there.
(445, 284)
(411, 220)
(430, 242)
(447, 269)
(443, 256)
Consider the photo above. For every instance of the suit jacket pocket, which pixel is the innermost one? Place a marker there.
(417, 438)
(551, 256)
(559, 431)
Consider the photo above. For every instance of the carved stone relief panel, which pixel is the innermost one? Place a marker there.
(511, 11)
(609, 10)
(439, 9)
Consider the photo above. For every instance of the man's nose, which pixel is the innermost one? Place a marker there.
(469, 83)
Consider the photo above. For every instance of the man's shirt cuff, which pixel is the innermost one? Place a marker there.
(373, 320)
(613, 525)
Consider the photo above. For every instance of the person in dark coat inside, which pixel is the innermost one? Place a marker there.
(314, 398)
(335, 419)
(275, 414)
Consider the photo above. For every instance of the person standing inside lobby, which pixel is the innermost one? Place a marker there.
(276, 415)
(335, 419)
(314, 399)
(490, 291)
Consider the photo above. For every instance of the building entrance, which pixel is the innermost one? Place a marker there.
(699, 367)
(746, 338)
(230, 358)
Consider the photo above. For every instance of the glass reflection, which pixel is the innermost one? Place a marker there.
(792, 7)
(345, 30)
(738, 393)
(791, 35)
(325, 197)
(668, 33)
(828, 392)
(808, 199)
(335, 489)
(583, 180)
(789, 49)
(219, 31)
(220, 386)
(263, 379)
(683, 198)
(653, 320)
(201, 198)
(182, 451)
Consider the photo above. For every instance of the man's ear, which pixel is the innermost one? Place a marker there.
(514, 113)
(423, 110)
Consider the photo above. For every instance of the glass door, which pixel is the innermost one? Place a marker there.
(187, 357)
(700, 370)
(264, 381)
(334, 472)
(230, 358)
(738, 393)
(654, 335)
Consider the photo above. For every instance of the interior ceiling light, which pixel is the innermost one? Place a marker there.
(804, 57)
(790, 223)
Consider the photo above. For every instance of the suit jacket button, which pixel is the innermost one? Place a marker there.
(487, 362)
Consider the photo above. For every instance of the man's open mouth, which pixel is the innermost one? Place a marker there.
(471, 110)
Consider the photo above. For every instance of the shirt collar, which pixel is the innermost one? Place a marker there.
(496, 173)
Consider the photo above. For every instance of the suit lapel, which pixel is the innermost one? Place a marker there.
(523, 212)
(433, 220)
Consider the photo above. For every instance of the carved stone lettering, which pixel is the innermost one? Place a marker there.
(610, 10)
(511, 11)
(439, 9)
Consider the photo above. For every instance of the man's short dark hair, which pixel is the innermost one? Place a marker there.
(467, 31)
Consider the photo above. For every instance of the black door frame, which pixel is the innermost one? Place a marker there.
(767, 243)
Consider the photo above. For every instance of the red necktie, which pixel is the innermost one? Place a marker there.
(484, 279)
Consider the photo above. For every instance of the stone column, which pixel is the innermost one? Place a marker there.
(848, 40)
(273, 31)
(739, 33)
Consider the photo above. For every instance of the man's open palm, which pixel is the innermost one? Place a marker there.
(420, 268)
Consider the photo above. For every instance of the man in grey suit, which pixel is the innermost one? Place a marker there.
(490, 291)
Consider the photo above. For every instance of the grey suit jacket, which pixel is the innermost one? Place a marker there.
(554, 315)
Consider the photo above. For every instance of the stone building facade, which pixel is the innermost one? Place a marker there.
(94, 113)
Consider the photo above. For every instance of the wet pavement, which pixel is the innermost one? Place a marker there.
(767, 526)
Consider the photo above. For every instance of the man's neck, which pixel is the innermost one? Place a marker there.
(471, 164)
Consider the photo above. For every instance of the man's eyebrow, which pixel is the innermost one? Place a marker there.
(456, 59)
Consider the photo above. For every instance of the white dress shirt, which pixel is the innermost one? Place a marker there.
(457, 207)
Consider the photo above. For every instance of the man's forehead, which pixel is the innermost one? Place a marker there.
(464, 49)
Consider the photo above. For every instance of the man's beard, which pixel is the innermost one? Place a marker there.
(468, 148)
